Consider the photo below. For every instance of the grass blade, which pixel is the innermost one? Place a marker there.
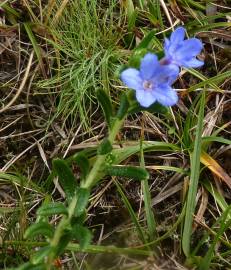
(224, 225)
(131, 212)
(195, 173)
(214, 167)
(36, 47)
(147, 200)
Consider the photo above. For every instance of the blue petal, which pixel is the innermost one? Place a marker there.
(148, 66)
(167, 74)
(131, 77)
(145, 98)
(165, 95)
(178, 35)
(167, 45)
(194, 63)
(189, 48)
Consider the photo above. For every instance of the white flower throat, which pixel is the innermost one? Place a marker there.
(148, 85)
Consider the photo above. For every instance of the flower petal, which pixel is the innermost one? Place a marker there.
(167, 74)
(148, 66)
(165, 95)
(178, 35)
(189, 49)
(194, 63)
(145, 98)
(131, 77)
(167, 45)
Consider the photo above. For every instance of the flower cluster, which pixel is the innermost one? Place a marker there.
(152, 82)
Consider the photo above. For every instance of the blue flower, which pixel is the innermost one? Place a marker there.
(152, 82)
(182, 52)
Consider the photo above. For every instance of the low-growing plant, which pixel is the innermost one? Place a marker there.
(151, 78)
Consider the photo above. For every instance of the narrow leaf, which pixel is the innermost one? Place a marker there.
(41, 228)
(63, 242)
(147, 200)
(83, 162)
(35, 46)
(124, 105)
(82, 201)
(83, 235)
(52, 209)
(195, 173)
(105, 103)
(66, 178)
(131, 212)
(216, 79)
(105, 147)
(128, 171)
(146, 40)
(214, 167)
(220, 200)
(40, 255)
(224, 225)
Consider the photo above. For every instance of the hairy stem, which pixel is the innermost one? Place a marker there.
(88, 183)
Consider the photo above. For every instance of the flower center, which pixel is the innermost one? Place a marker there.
(165, 61)
(148, 85)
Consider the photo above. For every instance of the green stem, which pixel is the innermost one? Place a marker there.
(65, 221)
(92, 249)
(88, 183)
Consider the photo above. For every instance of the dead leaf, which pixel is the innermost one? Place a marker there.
(214, 167)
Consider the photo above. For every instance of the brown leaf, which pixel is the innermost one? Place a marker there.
(214, 167)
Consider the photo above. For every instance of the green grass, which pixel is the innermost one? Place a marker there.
(194, 178)
(88, 44)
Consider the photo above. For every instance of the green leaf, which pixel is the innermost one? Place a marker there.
(105, 147)
(82, 201)
(35, 46)
(121, 154)
(20, 180)
(224, 225)
(40, 255)
(146, 40)
(132, 213)
(41, 228)
(128, 171)
(147, 200)
(82, 161)
(216, 139)
(156, 108)
(220, 200)
(66, 178)
(189, 123)
(83, 235)
(155, 14)
(195, 173)
(63, 242)
(80, 219)
(105, 103)
(9, 9)
(216, 79)
(124, 105)
(52, 209)
(131, 15)
(136, 58)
